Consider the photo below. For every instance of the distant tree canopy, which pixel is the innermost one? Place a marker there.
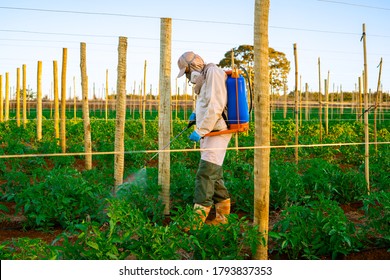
(244, 56)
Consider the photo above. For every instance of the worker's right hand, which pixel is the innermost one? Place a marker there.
(195, 136)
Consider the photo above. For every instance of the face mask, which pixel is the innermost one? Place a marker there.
(194, 76)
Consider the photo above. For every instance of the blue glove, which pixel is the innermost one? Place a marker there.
(195, 136)
(192, 117)
(192, 120)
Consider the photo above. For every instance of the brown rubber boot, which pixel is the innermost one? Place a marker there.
(222, 209)
(202, 211)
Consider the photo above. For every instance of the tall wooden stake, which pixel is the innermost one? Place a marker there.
(326, 89)
(39, 100)
(56, 103)
(377, 102)
(74, 99)
(119, 159)
(296, 95)
(306, 102)
(144, 102)
(319, 98)
(24, 78)
(366, 131)
(262, 124)
(6, 110)
(63, 99)
(106, 103)
(86, 121)
(18, 96)
(164, 161)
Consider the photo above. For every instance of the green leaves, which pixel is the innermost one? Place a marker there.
(317, 229)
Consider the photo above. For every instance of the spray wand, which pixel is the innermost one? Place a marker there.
(140, 174)
(190, 123)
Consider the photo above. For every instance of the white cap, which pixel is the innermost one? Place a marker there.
(188, 60)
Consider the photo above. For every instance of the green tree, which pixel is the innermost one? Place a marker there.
(279, 66)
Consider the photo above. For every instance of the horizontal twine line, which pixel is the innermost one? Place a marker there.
(190, 150)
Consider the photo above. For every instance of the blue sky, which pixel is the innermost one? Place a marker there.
(330, 30)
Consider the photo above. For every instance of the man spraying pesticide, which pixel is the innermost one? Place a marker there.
(212, 131)
(221, 110)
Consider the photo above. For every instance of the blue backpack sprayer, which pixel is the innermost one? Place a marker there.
(237, 118)
(238, 110)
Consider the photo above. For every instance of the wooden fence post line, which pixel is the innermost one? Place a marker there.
(165, 111)
(262, 124)
(24, 95)
(56, 101)
(39, 100)
(74, 99)
(18, 96)
(320, 98)
(296, 95)
(6, 111)
(120, 113)
(144, 101)
(366, 130)
(63, 99)
(306, 102)
(86, 121)
(106, 103)
(377, 103)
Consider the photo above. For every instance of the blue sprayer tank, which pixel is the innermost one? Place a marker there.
(238, 112)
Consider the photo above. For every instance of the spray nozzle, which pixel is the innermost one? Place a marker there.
(191, 123)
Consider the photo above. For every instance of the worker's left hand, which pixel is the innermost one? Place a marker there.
(192, 120)
(195, 136)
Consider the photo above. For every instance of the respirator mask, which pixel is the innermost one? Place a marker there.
(194, 76)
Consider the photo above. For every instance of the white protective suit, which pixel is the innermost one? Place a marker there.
(210, 104)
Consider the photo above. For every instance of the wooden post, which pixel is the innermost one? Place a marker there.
(106, 103)
(377, 102)
(63, 99)
(151, 100)
(332, 95)
(6, 112)
(300, 100)
(285, 100)
(366, 130)
(18, 96)
(341, 100)
(326, 88)
(86, 121)
(359, 100)
(319, 98)
(119, 160)
(262, 124)
(56, 102)
(39, 101)
(24, 95)
(144, 102)
(307, 102)
(164, 162)
(74, 99)
(296, 95)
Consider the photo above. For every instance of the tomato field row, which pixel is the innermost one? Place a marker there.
(308, 199)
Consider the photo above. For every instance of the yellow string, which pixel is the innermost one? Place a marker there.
(190, 150)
